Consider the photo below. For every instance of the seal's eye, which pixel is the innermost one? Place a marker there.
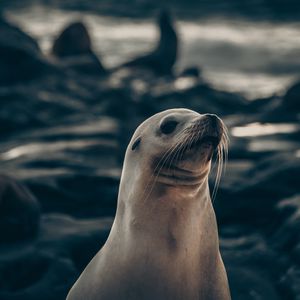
(136, 144)
(168, 126)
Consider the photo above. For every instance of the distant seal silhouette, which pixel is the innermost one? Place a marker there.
(73, 40)
(164, 240)
(291, 98)
(162, 59)
(73, 45)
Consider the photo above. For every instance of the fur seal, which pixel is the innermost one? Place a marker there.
(164, 240)
(74, 47)
(73, 40)
(162, 59)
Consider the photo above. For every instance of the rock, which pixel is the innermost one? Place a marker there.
(78, 239)
(19, 211)
(275, 175)
(201, 97)
(47, 268)
(290, 283)
(191, 72)
(79, 194)
(74, 47)
(286, 228)
(162, 59)
(280, 109)
(33, 108)
(263, 186)
(84, 64)
(291, 99)
(36, 275)
(20, 57)
(249, 261)
(14, 36)
(248, 284)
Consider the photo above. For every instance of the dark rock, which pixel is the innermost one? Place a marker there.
(263, 104)
(250, 265)
(248, 284)
(84, 64)
(20, 57)
(275, 176)
(191, 72)
(34, 275)
(79, 195)
(280, 109)
(203, 98)
(16, 37)
(48, 268)
(33, 108)
(78, 239)
(269, 181)
(290, 283)
(291, 99)
(19, 211)
(286, 235)
(162, 59)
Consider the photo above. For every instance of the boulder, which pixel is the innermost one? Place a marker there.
(19, 211)
(34, 274)
(20, 57)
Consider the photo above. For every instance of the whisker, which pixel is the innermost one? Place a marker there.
(222, 158)
(159, 167)
(185, 141)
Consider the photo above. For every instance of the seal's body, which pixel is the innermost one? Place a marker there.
(164, 240)
(163, 57)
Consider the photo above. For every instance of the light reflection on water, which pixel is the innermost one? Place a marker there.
(258, 129)
(256, 59)
(274, 146)
(46, 148)
(185, 83)
(263, 137)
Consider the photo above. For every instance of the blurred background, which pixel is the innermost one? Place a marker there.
(76, 79)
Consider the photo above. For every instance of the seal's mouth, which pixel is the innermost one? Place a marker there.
(208, 140)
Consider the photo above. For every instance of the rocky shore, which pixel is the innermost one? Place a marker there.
(65, 123)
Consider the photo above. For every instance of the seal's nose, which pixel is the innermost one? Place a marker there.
(213, 119)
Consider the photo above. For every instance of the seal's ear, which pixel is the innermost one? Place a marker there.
(136, 143)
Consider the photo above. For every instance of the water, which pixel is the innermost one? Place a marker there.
(256, 59)
(258, 129)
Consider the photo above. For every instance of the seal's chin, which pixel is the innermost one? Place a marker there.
(180, 176)
(189, 167)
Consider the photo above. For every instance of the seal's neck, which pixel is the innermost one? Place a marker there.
(172, 217)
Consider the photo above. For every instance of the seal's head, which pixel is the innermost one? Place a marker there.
(175, 148)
